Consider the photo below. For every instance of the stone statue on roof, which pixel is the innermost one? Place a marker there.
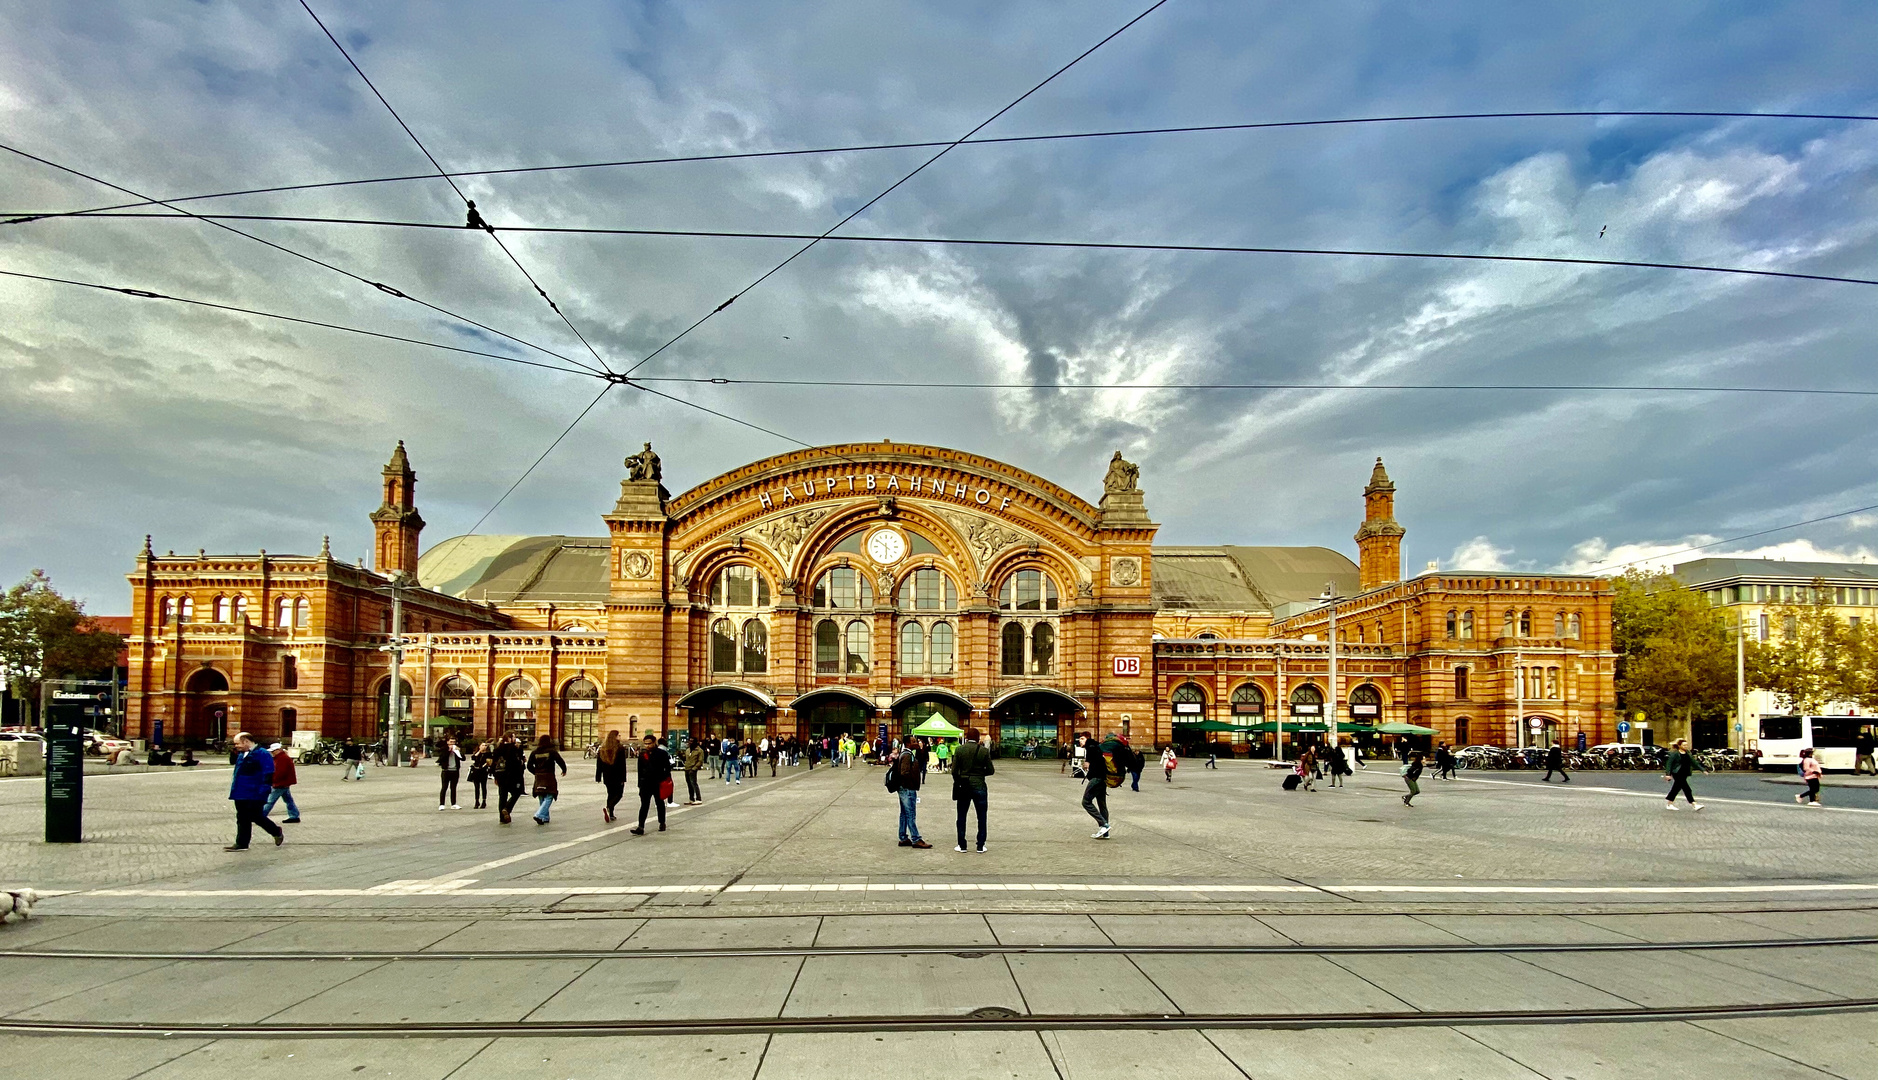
(644, 465)
(1122, 475)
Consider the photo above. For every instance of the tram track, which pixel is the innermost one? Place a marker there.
(968, 950)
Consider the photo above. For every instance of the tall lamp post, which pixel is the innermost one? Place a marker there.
(395, 721)
(1330, 721)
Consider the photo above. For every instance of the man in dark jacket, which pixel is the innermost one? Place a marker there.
(351, 760)
(1095, 790)
(970, 765)
(1555, 763)
(655, 769)
(1134, 764)
(248, 789)
(509, 767)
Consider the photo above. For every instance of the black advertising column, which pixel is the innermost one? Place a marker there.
(65, 774)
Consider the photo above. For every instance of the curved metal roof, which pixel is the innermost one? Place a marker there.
(1234, 578)
(518, 569)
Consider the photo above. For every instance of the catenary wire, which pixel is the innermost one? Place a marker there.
(1734, 539)
(891, 188)
(1063, 245)
(146, 294)
(379, 285)
(21, 217)
(544, 456)
(469, 206)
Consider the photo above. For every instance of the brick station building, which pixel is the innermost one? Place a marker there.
(852, 587)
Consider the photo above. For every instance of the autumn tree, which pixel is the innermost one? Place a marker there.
(1813, 657)
(1673, 653)
(44, 635)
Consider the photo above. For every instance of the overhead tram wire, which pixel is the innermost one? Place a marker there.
(864, 207)
(146, 294)
(21, 217)
(1734, 539)
(544, 456)
(1062, 245)
(469, 206)
(378, 285)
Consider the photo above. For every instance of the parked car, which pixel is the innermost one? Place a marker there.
(21, 736)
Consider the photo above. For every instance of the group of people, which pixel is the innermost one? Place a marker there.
(969, 765)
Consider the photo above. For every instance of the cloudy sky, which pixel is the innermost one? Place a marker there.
(121, 417)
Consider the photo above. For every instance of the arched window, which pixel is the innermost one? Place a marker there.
(220, 608)
(860, 655)
(723, 646)
(1460, 682)
(845, 589)
(1043, 649)
(186, 610)
(927, 589)
(1506, 624)
(1366, 704)
(456, 701)
(283, 612)
(1248, 700)
(827, 648)
(168, 609)
(1188, 701)
(1453, 625)
(912, 649)
(580, 713)
(1525, 623)
(1028, 590)
(1573, 628)
(939, 659)
(1467, 625)
(518, 709)
(302, 612)
(237, 607)
(1551, 682)
(1558, 624)
(289, 673)
(740, 586)
(1307, 700)
(755, 647)
(1013, 649)
(1206, 635)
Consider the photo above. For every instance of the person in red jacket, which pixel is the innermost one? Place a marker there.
(284, 780)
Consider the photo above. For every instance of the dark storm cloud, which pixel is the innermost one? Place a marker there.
(224, 431)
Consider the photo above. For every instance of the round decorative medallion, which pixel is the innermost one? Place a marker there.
(886, 547)
(635, 564)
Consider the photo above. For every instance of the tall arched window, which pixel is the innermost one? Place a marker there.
(1558, 624)
(912, 648)
(1525, 623)
(723, 646)
(740, 586)
(845, 589)
(221, 609)
(1188, 702)
(1573, 628)
(302, 612)
(755, 647)
(456, 701)
(860, 655)
(1043, 649)
(1453, 625)
(1366, 704)
(289, 673)
(927, 589)
(580, 713)
(168, 610)
(827, 648)
(1248, 700)
(1552, 682)
(1307, 700)
(283, 612)
(237, 607)
(518, 709)
(1013, 649)
(1507, 624)
(1028, 590)
(186, 610)
(939, 658)
(1467, 625)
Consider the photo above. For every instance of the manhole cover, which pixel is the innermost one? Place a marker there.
(993, 1012)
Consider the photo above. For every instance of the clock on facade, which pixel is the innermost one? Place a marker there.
(886, 547)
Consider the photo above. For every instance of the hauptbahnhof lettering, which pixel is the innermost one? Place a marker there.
(852, 587)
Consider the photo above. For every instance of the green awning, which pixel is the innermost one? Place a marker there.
(936, 727)
(1209, 725)
(1403, 729)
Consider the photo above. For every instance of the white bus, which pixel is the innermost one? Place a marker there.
(1831, 737)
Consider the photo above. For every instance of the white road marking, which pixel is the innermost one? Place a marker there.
(1649, 795)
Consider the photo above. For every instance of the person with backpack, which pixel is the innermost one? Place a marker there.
(1095, 788)
(1811, 773)
(1134, 764)
(1676, 769)
(904, 774)
(971, 764)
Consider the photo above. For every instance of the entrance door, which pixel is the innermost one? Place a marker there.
(1046, 718)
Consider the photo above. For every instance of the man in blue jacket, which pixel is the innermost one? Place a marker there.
(252, 783)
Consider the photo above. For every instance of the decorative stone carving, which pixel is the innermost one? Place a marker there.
(1085, 589)
(645, 465)
(1125, 571)
(983, 536)
(1122, 475)
(636, 565)
(888, 507)
(785, 535)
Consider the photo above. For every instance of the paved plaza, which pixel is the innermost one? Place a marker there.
(1220, 896)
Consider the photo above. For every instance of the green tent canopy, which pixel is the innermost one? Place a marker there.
(1403, 729)
(937, 727)
(1209, 725)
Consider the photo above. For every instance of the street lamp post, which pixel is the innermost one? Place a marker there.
(395, 699)
(1330, 721)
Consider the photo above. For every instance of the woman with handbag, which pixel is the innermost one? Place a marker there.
(655, 781)
(611, 771)
(542, 764)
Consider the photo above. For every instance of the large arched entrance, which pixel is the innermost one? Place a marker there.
(1045, 714)
(404, 708)
(916, 707)
(738, 712)
(205, 714)
(834, 711)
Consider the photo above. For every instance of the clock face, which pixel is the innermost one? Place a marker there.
(886, 547)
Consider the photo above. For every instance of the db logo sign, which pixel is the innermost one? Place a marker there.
(1128, 665)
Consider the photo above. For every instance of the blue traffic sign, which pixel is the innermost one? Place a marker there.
(1623, 727)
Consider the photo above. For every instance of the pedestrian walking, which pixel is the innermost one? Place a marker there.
(1411, 775)
(1095, 789)
(1555, 762)
(248, 789)
(1444, 763)
(1169, 762)
(1212, 755)
(285, 777)
(1306, 769)
(1136, 763)
(1862, 749)
(1811, 773)
(1337, 764)
(1063, 756)
(449, 767)
(1079, 758)
(733, 772)
(509, 769)
(693, 761)
(352, 760)
(479, 775)
(542, 764)
(655, 781)
(610, 770)
(1676, 769)
(1356, 755)
(905, 772)
(971, 764)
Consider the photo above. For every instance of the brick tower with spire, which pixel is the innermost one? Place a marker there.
(1379, 540)
(396, 523)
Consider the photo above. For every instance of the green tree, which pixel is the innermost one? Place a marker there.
(44, 635)
(1673, 653)
(1814, 657)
